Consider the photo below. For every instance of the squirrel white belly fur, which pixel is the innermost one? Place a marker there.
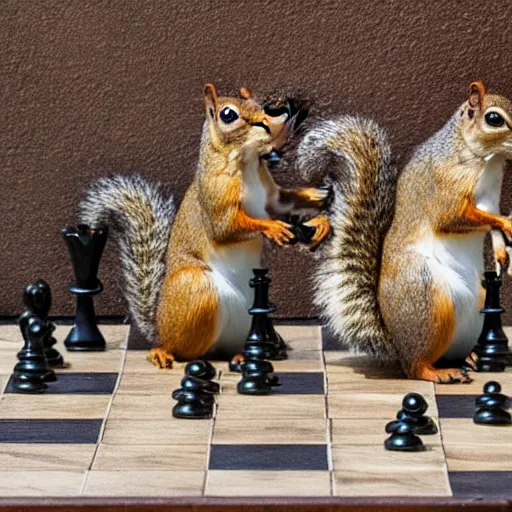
(401, 276)
(187, 273)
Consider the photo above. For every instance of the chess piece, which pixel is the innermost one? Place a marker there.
(491, 406)
(273, 158)
(403, 439)
(203, 370)
(38, 299)
(85, 246)
(262, 332)
(32, 370)
(414, 407)
(492, 389)
(195, 396)
(303, 233)
(492, 353)
(191, 405)
(257, 374)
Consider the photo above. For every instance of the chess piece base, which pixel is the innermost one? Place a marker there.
(192, 411)
(404, 443)
(486, 417)
(254, 387)
(89, 341)
(28, 384)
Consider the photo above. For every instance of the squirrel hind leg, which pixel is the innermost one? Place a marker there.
(186, 318)
(161, 358)
(424, 370)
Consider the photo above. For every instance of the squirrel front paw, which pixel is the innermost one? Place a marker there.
(279, 232)
(507, 229)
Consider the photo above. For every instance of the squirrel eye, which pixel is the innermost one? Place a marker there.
(228, 115)
(494, 119)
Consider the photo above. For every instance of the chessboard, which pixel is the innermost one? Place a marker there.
(103, 434)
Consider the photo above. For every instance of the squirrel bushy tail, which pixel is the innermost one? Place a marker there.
(354, 157)
(140, 217)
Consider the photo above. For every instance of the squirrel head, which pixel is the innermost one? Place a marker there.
(242, 121)
(487, 122)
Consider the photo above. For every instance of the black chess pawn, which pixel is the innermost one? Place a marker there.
(403, 439)
(191, 405)
(491, 353)
(38, 299)
(203, 370)
(414, 407)
(85, 247)
(491, 406)
(195, 396)
(32, 370)
(258, 376)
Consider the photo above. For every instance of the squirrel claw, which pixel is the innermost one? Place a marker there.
(323, 228)
(471, 362)
(160, 358)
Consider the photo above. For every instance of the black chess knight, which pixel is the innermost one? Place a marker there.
(491, 353)
(85, 247)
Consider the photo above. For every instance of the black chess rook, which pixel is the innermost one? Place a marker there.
(85, 247)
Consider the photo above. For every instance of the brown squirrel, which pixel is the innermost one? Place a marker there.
(400, 277)
(187, 274)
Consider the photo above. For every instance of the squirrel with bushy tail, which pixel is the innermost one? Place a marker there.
(187, 270)
(400, 277)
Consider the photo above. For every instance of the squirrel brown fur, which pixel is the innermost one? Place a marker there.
(188, 274)
(400, 277)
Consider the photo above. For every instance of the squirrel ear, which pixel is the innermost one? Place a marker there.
(476, 95)
(245, 93)
(210, 100)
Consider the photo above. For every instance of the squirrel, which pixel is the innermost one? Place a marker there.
(187, 271)
(399, 277)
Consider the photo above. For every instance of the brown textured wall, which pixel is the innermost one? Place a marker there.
(98, 86)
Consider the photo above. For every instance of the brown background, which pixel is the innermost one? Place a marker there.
(89, 87)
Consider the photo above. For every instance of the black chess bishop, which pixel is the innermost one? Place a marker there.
(196, 394)
(491, 353)
(262, 332)
(491, 407)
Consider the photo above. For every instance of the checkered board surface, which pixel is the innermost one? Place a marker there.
(105, 429)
